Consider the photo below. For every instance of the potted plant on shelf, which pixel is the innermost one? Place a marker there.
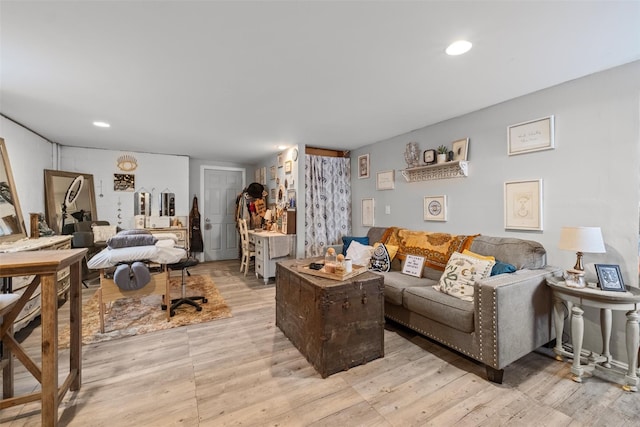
(442, 154)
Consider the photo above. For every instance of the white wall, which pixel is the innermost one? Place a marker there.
(155, 173)
(591, 178)
(29, 155)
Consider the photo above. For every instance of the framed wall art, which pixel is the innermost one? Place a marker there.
(363, 166)
(523, 205)
(287, 166)
(460, 149)
(534, 135)
(367, 212)
(272, 172)
(385, 180)
(609, 277)
(280, 160)
(124, 182)
(435, 208)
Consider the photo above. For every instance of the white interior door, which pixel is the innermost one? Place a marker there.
(220, 189)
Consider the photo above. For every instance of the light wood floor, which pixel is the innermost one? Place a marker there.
(243, 371)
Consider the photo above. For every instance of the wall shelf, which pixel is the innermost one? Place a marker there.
(457, 169)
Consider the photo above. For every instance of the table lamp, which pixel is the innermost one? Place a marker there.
(581, 239)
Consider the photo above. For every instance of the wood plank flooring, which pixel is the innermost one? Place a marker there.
(243, 371)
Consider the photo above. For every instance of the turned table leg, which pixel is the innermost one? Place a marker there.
(605, 329)
(577, 331)
(632, 351)
(558, 321)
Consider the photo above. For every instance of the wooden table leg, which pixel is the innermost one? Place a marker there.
(75, 328)
(605, 330)
(49, 316)
(558, 321)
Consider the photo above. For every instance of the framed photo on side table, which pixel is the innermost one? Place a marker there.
(367, 212)
(523, 205)
(385, 180)
(363, 166)
(609, 277)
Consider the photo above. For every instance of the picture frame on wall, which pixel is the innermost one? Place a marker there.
(124, 182)
(272, 172)
(280, 160)
(363, 166)
(523, 205)
(609, 277)
(287, 166)
(460, 149)
(367, 212)
(385, 180)
(435, 208)
(263, 175)
(531, 136)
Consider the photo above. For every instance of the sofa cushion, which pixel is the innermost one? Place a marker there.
(518, 252)
(501, 268)
(461, 273)
(442, 308)
(395, 283)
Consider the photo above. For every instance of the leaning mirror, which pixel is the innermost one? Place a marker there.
(11, 222)
(70, 198)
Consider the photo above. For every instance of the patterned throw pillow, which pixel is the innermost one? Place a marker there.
(461, 273)
(380, 260)
(359, 254)
(102, 233)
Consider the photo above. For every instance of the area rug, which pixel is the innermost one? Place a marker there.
(136, 316)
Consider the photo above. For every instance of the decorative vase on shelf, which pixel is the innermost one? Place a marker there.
(441, 158)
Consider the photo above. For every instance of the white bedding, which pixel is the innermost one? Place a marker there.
(155, 253)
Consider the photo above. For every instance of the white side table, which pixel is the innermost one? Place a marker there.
(606, 301)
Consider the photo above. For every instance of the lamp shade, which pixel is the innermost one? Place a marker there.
(582, 239)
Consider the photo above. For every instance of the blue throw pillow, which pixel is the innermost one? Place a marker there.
(346, 241)
(502, 267)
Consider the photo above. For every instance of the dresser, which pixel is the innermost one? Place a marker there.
(271, 247)
(181, 232)
(19, 284)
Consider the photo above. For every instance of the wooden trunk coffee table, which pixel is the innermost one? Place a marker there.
(335, 324)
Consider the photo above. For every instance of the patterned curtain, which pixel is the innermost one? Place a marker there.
(327, 202)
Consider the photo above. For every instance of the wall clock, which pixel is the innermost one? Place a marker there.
(294, 154)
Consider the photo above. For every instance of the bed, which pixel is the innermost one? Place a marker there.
(162, 253)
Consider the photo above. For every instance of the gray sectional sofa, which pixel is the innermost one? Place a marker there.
(509, 317)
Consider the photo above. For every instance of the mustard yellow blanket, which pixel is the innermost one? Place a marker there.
(436, 248)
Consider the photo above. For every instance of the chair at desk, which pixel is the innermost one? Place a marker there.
(184, 299)
(248, 249)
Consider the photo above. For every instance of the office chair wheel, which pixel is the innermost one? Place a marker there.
(204, 300)
(172, 313)
(163, 306)
(198, 308)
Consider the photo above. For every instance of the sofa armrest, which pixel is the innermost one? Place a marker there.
(513, 315)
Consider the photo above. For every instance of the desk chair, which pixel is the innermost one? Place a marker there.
(184, 299)
(248, 249)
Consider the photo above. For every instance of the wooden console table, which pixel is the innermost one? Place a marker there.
(606, 301)
(45, 265)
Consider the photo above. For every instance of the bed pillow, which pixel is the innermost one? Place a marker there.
(359, 254)
(461, 273)
(102, 233)
(346, 242)
(121, 240)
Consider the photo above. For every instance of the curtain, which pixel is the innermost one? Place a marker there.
(327, 202)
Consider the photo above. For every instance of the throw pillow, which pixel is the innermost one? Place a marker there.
(102, 233)
(502, 267)
(461, 273)
(359, 254)
(392, 250)
(380, 260)
(346, 242)
(473, 254)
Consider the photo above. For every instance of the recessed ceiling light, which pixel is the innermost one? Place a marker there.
(282, 147)
(102, 124)
(458, 47)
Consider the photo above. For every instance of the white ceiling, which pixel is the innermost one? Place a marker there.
(230, 81)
